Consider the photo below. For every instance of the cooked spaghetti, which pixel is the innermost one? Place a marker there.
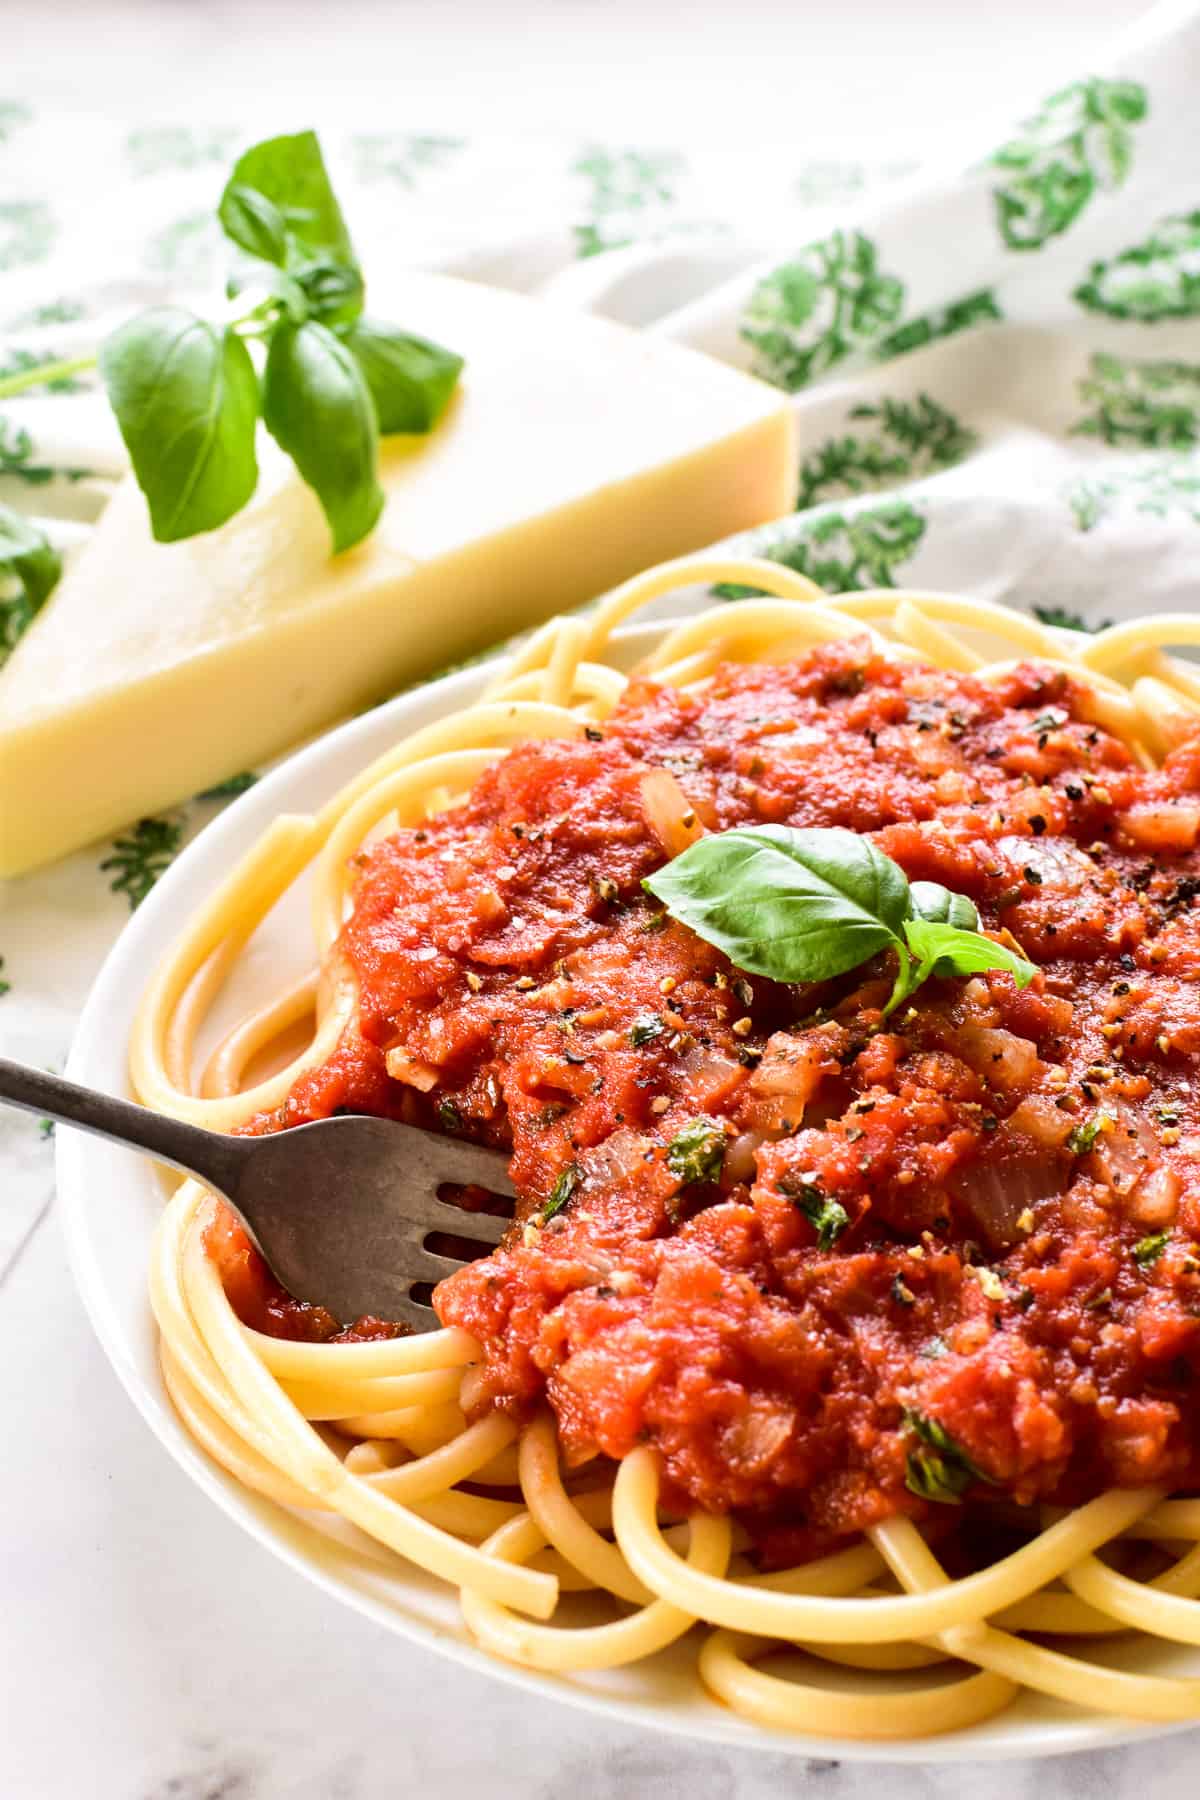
(817, 1330)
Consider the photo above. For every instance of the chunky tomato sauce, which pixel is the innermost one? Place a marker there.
(1013, 1297)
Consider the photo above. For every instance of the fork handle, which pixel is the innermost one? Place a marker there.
(216, 1159)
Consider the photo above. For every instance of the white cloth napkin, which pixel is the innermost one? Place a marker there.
(996, 365)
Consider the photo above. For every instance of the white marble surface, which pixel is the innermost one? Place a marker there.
(149, 1651)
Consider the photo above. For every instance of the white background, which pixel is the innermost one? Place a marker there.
(855, 74)
(148, 1651)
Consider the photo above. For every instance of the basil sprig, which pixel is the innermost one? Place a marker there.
(188, 394)
(801, 906)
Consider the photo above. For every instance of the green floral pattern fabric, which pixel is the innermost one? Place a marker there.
(995, 365)
(808, 314)
(1155, 280)
(1078, 144)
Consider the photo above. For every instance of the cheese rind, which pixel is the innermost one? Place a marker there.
(575, 453)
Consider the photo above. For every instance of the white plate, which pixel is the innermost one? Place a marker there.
(110, 1199)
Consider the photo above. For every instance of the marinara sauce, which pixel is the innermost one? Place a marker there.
(832, 1266)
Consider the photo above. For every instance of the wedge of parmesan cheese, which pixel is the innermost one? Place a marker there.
(575, 453)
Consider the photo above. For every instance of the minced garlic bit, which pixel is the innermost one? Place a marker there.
(667, 985)
(991, 1283)
(742, 1027)
(1025, 1220)
(916, 1252)
(660, 1105)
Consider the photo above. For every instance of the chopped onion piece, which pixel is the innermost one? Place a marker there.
(997, 1193)
(403, 1067)
(711, 1077)
(1155, 1200)
(739, 1156)
(1038, 1119)
(791, 1065)
(1162, 828)
(669, 813)
(1006, 1060)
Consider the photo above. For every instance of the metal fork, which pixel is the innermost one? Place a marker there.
(350, 1213)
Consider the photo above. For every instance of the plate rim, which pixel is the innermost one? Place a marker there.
(91, 1061)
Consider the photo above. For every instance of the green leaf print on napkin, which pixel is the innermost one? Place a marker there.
(808, 314)
(1078, 144)
(1065, 618)
(840, 548)
(27, 233)
(153, 149)
(1161, 486)
(1154, 404)
(19, 458)
(13, 114)
(141, 856)
(187, 247)
(623, 186)
(30, 568)
(63, 311)
(914, 438)
(1159, 279)
(400, 156)
(829, 181)
(979, 308)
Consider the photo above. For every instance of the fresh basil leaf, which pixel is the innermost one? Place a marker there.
(1147, 1250)
(254, 222)
(410, 378)
(932, 901)
(934, 1477)
(697, 1152)
(827, 1217)
(1084, 1136)
(186, 399)
(318, 408)
(942, 1470)
(792, 905)
(333, 292)
(930, 1431)
(947, 950)
(290, 173)
(561, 1192)
(30, 567)
(278, 295)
